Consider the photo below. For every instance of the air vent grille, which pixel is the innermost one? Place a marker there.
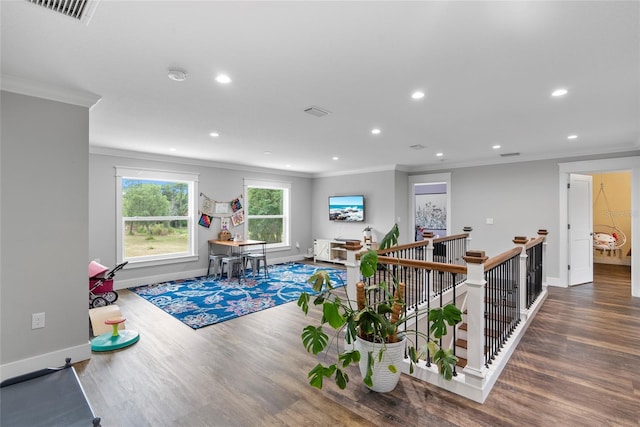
(76, 9)
(509, 154)
(315, 111)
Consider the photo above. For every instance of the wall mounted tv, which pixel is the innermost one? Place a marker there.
(346, 208)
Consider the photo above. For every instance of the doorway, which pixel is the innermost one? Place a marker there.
(430, 199)
(631, 164)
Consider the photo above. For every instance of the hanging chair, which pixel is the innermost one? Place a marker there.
(607, 237)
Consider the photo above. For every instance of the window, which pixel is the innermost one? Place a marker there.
(156, 211)
(267, 212)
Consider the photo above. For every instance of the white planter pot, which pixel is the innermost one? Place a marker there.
(383, 379)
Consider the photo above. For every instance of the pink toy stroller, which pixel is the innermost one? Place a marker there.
(101, 291)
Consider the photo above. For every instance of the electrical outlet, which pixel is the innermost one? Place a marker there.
(37, 320)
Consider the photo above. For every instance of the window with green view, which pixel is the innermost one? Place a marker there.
(155, 212)
(267, 212)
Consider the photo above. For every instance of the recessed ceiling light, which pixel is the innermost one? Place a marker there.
(173, 149)
(495, 147)
(572, 137)
(288, 166)
(375, 131)
(214, 134)
(439, 154)
(177, 74)
(417, 95)
(559, 92)
(266, 153)
(335, 157)
(223, 78)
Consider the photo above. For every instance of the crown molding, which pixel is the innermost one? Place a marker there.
(66, 95)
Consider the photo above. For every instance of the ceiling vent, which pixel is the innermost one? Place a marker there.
(82, 10)
(315, 111)
(509, 154)
(417, 147)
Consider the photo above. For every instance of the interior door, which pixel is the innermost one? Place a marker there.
(580, 210)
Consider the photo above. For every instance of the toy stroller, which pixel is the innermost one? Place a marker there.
(101, 291)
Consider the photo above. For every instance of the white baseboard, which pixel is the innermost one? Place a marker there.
(160, 278)
(49, 360)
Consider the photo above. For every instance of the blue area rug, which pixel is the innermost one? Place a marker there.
(204, 301)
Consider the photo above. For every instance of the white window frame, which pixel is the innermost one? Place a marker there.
(191, 180)
(286, 209)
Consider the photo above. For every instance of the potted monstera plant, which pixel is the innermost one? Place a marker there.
(374, 329)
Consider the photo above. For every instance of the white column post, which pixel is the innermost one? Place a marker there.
(353, 268)
(521, 242)
(475, 371)
(428, 236)
(543, 233)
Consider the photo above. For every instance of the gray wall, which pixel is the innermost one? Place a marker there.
(218, 183)
(44, 226)
(379, 190)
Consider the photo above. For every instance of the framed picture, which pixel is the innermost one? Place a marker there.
(222, 207)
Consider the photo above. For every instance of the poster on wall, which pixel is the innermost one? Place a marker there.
(431, 212)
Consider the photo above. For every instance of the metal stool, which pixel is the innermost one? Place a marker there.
(255, 260)
(233, 263)
(217, 266)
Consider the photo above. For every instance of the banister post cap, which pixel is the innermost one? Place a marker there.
(542, 232)
(427, 234)
(520, 240)
(475, 257)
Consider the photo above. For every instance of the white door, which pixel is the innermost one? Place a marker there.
(580, 212)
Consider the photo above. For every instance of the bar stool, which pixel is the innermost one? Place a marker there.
(233, 263)
(217, 266)
(255, 260)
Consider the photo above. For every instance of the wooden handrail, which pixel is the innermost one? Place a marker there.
(499, 259)
(534, 241)
(453, 237)
(439, 266)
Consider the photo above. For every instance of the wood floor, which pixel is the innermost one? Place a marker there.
(578, 365)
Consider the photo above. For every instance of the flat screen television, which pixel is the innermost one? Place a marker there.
(346, 208)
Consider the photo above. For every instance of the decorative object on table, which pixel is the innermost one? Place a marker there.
(377, 317)
(204, 301)
(237, 218)
(225, 235)
(205, 220)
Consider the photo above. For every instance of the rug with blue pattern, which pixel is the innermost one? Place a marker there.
(204, 301)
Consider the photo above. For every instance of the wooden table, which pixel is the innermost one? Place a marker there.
(238, 247)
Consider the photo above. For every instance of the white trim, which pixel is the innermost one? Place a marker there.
(190, 178)
(595, 166)
(48, 360)
(42, 90)
(286, 208)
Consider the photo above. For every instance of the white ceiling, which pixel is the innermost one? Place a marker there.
(487, 69)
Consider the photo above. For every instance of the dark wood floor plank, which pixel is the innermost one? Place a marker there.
(577, 365)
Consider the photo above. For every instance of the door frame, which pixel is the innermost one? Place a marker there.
(433, 178)
(598, 166)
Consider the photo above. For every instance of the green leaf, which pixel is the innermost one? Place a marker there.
(368, 263)
(319, 278)
(368, 377)
(331, 313)
(319, 372)
(392, 368)
(303, 302)
(432, 347)
(349, 357)
(446, 362)
(314, 339)
(391, 238)
(341, 379)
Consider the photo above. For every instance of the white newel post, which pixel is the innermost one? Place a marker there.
(475, 371)
(467, 230)
(521, 242)
(353, 268)
(543, 233)
(428, 236)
